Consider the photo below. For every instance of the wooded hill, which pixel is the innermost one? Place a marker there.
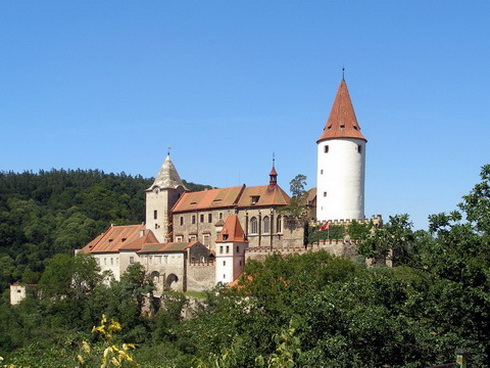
(57, 211)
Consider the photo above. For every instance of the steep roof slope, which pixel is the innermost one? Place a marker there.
(168, 177)
(232, 231)
(342, 122)
(114, 238)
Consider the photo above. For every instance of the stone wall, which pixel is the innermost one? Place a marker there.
(201, 276)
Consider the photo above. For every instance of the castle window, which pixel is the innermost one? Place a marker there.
(279, 224)
(238, 250)
(227, 249)
(210, 217)
(205, 239)
(193, 219)
(359, 148)
(224, 263)
(178, 239)
(181, 220)
(224, 276)
(324, 194)
(321, 172)
(156, 226)
(326, 148)
(112, 261)
(221, 215)
(131, 260)
(253, 225)
(266, 224)
(201, 218)
(192, 238)
(155, 216)
(221, 249)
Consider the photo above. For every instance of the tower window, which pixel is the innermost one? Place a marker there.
(155, 215)
(224, 263)
(326, 148)
(221, 215)
(210, 217)
(359, 148)
(321, 172)
(193, 219)
(324, 194)
(181, 220)
(202, 218)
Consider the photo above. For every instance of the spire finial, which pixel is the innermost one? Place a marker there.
(343, 74)
(273, 159)
(168, 152)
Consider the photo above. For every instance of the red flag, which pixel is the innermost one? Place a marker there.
(325, 226)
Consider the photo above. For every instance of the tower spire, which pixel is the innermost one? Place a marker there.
(273, 173)
(342, 121)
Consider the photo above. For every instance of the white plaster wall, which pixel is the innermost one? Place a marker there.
(109, 262)
(224, 273)
(157, 200)
(342, 179)
(125, 260)
(17, 294)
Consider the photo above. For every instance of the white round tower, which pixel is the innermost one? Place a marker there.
(341, 161)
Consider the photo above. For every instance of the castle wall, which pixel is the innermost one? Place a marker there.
(201, 276)
(127, 258)
(109, 262)
(168, 270)
(199, 225)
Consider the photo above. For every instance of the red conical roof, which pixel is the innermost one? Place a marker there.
(232, 231)
(342, 122)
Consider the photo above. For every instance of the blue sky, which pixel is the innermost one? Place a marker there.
(112, 84)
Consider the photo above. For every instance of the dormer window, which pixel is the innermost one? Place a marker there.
(342, 127)
(255, 199)
(225, 237)
(329, 127)
(355, 128)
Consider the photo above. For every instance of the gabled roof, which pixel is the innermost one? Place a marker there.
(114, 238)
(166, 247)
(137, 244)
(208, 199)
(168, 177)
(263, 195)
(342, 122)
(232, 231)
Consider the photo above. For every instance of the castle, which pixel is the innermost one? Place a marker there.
(194, 240)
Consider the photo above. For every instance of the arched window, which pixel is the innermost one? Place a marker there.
(267, 225)
(279, 224)
(253, 225)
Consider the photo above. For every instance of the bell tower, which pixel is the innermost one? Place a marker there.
(341, 162)
(160, 198)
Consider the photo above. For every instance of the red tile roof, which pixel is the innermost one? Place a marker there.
(263, 195)
(232, 231)
(113, 239)
(208, 199)
(342, 122)
(137, 244)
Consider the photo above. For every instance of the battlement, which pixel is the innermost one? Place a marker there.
(208, 263)
(376, 219)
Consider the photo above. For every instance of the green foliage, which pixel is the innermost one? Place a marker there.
(54, 212)
(334, 232)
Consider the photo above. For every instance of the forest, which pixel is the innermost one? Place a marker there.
(310, 310)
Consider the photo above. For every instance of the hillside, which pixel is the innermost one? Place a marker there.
(57, 211)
